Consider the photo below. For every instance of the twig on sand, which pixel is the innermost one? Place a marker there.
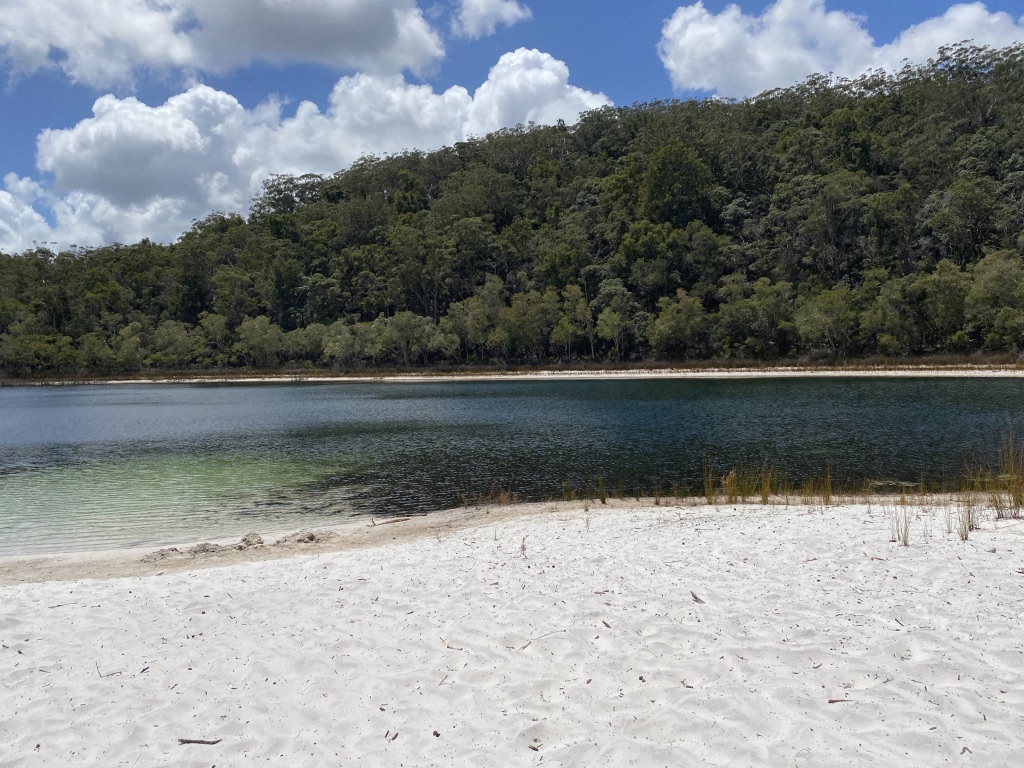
(539, 637)
(451, 647)
(374, 523)
(210, 742)
(109, 674)
(841, 701)
(695, 598)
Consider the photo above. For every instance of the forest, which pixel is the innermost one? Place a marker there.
(833, 220)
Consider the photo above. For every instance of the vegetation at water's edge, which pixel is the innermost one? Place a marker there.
(879, 217)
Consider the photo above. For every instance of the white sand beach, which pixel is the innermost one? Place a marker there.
(714, 373)
(657, 636)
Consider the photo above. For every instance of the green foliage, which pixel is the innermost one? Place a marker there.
(880, 216)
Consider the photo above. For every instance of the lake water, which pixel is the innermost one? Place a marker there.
(92, 467)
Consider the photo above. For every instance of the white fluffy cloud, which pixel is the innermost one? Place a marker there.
(478, 18)
(734, 54)
(104, 44)
(133, 170)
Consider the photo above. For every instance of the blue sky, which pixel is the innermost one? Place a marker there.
(131, 118)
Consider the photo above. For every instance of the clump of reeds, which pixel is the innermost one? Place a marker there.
(1010, 490)
(495, 496)
(710, 490)
(601, 492)
(677, 492)
(899, 525)
(765, 483)
(568, 491)
(966, 519)
(731, 487)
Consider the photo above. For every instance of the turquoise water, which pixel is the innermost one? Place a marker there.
(93, 467)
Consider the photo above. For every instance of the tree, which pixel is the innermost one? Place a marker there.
(524, 327)
(261, 343)
(406, 336)
(680, 327)
(890, 323)
(676, 187)
(611, 326)
(963, 218)
(827, 320)
(575, 321)
(943, 299)
(997, 288)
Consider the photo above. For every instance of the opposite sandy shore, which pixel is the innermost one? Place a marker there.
(655, 636)
(910, 371)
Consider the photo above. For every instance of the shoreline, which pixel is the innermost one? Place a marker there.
(359, 533)
(718, 373)
(278, 544)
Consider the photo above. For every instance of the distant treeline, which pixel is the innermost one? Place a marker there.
(881, 216)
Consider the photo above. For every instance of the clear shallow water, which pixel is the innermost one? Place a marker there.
(105, 466)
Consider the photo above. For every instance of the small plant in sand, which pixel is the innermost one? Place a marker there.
(900, 524)
(710, 487)
(731, 487)
(963, 526)
(766, 484)
(786, 490)
(809, 493)
(568, 491)
(998, 503)
(498, 496)
(1010, 481)
(866, 492)
(967, 520)
(904, 528)
(522, 547)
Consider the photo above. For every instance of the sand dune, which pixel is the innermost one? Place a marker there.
(635, 636)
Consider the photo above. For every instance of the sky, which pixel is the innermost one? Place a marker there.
(131, 119)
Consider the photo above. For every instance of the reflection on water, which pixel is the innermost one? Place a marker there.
(100, 466)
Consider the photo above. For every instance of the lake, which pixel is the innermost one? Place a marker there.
(95, 467)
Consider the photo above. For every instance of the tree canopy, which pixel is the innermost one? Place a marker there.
(831, 219)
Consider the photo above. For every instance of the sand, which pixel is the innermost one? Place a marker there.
(854, 370)
(659, 636)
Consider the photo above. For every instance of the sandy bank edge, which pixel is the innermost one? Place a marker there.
(359, 533)
(638, 373)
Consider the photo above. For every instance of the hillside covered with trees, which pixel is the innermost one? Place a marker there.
(833, 219)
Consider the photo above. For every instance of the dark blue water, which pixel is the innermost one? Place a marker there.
(99, 466)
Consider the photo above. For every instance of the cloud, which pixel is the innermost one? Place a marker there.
(478, 18)
(133, 170)
(734, 54)
(527, 86)
(107, 44)
(20, 223)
